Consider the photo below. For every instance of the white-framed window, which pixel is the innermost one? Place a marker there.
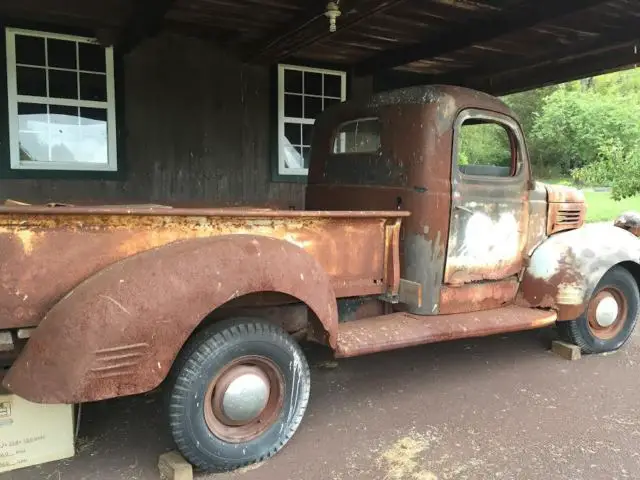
(303, 93)
(61, 102)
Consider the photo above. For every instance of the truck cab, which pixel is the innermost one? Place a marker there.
(457, 160)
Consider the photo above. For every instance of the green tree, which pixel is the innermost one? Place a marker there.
(577, 127)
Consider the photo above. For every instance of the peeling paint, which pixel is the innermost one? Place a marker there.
(565, 268)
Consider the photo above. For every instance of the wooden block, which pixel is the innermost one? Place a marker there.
(566, 350)
(6, 342)
(173, 466)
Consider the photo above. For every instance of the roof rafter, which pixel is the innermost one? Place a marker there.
(296, 35)
(626, 34)
(480, 31)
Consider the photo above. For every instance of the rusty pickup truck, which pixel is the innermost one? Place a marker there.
(422, 224)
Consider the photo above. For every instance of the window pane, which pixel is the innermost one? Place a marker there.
(71, 142)
(32, 81)
(34, 147)
(358, 136)
(32, 117)
(89, 116)
(485, 149)
(333, 85)
(292, 132)
(61, 53)
(92, 57)
(93, 87)
(293, 106)
(293, 81)
(30, 50)
(63, 84)
(292, 155)
(93, 134)
(63, 133)
(313, 83)
(62, 114)
(312, 107)
(307, 131)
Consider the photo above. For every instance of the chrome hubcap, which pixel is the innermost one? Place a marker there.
(607, 311)
(246, 397)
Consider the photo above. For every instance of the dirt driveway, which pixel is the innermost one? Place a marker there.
(500, 407)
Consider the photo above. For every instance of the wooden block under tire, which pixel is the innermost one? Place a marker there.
(173, 466)
(566, 350)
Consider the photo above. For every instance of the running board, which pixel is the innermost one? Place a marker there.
(400, 329)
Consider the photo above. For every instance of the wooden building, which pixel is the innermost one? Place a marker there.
(212, 102)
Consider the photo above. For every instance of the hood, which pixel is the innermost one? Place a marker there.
(563, 194)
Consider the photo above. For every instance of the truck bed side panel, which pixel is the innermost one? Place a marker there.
(44, 256)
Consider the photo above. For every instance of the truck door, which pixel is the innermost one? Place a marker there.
(490, 175)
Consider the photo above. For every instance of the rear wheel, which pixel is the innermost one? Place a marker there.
(610, 317)
(240, 390)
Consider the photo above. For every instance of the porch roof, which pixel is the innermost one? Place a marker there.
(494, 45)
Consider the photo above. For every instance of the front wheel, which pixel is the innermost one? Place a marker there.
(610, 317)
(239, 392)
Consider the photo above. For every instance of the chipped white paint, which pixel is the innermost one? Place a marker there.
(570, 294)
(545, 261)
(486, 241)
(292, 238)
(588, 252)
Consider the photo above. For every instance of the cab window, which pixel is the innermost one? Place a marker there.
(486, 148)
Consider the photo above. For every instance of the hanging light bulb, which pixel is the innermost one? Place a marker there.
(333, 12)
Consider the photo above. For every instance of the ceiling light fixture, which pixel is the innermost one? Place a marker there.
(333, 12)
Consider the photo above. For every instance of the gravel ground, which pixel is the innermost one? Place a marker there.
(501, 407)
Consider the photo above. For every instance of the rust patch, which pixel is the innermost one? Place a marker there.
(76, 353)
(398, 330)
(38, 247)
(555, 292)
(392, 259)
(567, 208)
(565, 216)
(537, 228)
(475, 297)
(564, 194)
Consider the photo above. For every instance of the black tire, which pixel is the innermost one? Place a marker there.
(201, 364)
(590, 337)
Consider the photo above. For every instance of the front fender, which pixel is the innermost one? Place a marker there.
(119, 332)
(564, 270)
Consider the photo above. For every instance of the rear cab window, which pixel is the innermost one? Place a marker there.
(357, 136)
(357, 155)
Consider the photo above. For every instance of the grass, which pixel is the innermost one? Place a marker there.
(601, 207)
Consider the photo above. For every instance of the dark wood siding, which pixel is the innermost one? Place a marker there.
(195, 130)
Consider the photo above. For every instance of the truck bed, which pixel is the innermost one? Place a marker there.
(45, 251)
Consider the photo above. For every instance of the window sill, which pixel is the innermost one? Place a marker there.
(59, 174)
(61, 167)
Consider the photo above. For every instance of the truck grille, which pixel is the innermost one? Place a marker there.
(564, 216)
(569, 217)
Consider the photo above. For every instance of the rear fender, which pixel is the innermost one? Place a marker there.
(119, 332)
(564, 270)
